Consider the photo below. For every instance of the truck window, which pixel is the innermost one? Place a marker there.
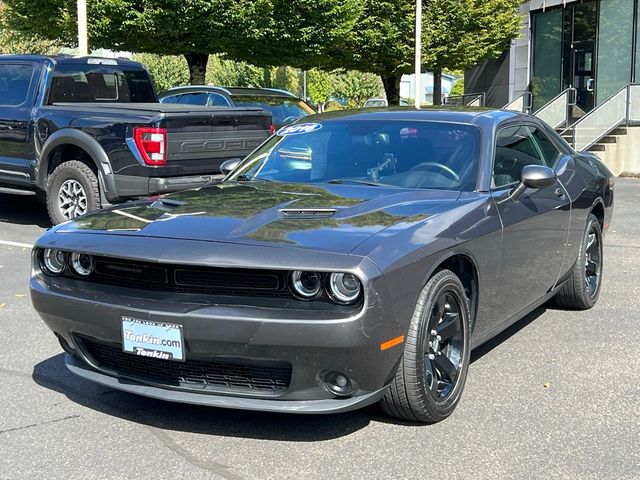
(15, 80)
(75, 82)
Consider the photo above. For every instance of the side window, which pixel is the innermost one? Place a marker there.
(548, 149)
(515, 148)
(171, 99)
(15, 80)
(193, 98)
(218, 100)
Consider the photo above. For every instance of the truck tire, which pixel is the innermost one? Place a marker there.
(72, 191)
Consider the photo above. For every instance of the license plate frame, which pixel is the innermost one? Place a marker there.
(149, 339)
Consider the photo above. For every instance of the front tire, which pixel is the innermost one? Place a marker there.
(431, 376)
(72, 191)
(582, 289)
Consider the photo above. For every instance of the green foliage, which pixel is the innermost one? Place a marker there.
(320, 86)
(14, 42)
(458, 88)
(166, 70)
(228, 73)
(459, 34)
(356, 87)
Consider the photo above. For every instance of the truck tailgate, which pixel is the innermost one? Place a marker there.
(199, 142)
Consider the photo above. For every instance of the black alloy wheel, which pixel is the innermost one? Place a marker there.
(444, 345)
(582, 289)
(432, 372)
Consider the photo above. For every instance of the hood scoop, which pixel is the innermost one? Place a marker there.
(306, 213)
(166, 204)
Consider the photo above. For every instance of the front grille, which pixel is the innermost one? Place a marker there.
(251, 376)
(187, 279)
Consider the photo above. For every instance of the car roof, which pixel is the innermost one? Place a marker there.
(232, 91)
(67, 59)
(468, 115)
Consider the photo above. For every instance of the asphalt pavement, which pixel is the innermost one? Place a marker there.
(555, 396)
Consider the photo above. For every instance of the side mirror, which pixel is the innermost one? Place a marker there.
(533, 176)
(229, 165)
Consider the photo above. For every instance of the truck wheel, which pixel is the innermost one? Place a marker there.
(72, 190)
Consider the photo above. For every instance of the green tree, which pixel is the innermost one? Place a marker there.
(356, 87)
(460, 34)
(13, 42)
(457, 34)
(320, 87)
(262, 32)
(166, 70)
(229, 73)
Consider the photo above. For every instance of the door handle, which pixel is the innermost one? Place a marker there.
(559, 193)
(590, 83)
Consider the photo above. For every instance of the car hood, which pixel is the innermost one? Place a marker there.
(323, 217)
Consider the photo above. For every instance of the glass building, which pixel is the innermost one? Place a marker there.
(590, 45)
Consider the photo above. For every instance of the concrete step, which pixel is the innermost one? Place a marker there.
(598, 147)
(609, 139)
(619, 131)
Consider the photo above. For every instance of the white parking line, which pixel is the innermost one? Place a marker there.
(15, 244)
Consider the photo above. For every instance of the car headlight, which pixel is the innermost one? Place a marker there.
(82, 264)
(344, 287)
(305, 285)
(53, 261)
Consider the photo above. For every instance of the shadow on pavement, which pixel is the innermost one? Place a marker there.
(53, 374)
(23, 210)
(486, 347)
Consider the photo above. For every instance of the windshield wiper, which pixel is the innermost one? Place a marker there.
(250, 178)
(358, 182)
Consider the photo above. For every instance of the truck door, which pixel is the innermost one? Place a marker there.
(18, 87)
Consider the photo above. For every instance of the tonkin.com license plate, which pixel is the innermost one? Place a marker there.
(164, 341)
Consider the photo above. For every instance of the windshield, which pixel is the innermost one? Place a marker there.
(283, 110)
(396, 153)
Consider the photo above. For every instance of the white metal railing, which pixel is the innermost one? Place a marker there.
(619, 109)
(468, 99)
(634, 103)
(521, 103)
(556, 112)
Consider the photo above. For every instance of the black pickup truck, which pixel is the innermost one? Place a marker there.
(89, 132)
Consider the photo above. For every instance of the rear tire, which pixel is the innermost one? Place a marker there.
(72, 191)
(582, 289)
(431, 376)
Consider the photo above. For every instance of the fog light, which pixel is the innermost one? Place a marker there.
(305, 285)
(338, 383)
(53, 261)
(82, 264)
(344, 287)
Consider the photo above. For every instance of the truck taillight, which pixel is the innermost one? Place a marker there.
(152, 144)
(272, 129)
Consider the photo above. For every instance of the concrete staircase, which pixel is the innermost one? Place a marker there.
(619, 150)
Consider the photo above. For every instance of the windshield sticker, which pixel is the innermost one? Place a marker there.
(298, 129)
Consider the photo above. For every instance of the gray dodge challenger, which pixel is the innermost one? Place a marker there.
(354, 257)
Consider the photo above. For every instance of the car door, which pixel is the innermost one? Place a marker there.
(18, 81)
(535, 226)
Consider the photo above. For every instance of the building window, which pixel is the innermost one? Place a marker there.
(547, 56)
(615, 44)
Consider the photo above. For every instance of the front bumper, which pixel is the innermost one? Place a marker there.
(313, 342)
(80, 368)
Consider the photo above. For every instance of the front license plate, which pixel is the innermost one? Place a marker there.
(164, 341)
